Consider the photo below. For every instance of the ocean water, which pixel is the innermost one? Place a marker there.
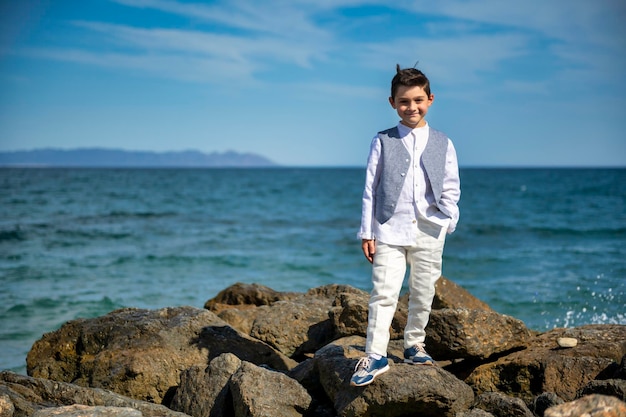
(547, 246)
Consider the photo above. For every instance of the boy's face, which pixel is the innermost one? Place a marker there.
(412, 104)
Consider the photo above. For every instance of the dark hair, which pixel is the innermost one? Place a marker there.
(409, 77)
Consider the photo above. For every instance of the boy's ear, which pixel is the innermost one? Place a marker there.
(392, 102)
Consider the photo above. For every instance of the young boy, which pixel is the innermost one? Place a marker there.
(410, 201)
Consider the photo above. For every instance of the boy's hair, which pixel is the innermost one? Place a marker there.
(409, 77)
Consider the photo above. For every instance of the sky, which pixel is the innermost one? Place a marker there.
(306, 82)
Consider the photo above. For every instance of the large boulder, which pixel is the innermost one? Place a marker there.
(546, 367)
(141, 353)
(204, 391)
(589, 406)
(296, 324)
(403, 390)
(474, 334)
(449, 294)
(501, 405)
(260, 392)
(25, 396)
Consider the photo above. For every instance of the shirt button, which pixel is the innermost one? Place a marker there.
(414, 221)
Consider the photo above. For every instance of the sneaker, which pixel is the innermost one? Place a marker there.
(417, 355)
(367, 369)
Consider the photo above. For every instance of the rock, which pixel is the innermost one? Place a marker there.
(141, 353)
(259, 392)
(544, 367)
(474, 334)
(403, 390)
(296, 324)
(451, 295)
(349, 316)
(7, 409)
(567, 342)
(28, 395)
(589, 406)
(501, 405)
(225, 339)
(204, 391)
(78, 410)
(544, 401)
(240, 294)
(295, 327)
(612, 387)
(621, 371)
(474, 412)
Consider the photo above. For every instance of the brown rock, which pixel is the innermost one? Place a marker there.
(141, 353)
(589, 406)
(295, 327)
(78, 410)
(349, 316)
(474, 334)
(240, 294)
(28, 395)
(451, 295)
(545, 367)
(259, 392)
(403, 390)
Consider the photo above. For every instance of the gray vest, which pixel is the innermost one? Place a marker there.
(396, 161)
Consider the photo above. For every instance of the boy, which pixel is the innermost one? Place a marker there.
(412, 188)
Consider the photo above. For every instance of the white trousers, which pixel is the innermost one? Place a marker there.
(388, 271)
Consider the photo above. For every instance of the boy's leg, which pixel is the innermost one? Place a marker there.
(388, 272)
(425, 266)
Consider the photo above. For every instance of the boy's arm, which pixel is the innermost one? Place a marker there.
(369, 194)
(451, 187)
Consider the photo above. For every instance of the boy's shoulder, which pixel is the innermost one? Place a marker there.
(392, 132)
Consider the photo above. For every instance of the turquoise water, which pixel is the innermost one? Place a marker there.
(547, 246)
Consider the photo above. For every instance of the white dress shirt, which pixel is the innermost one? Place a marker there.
(417, 201)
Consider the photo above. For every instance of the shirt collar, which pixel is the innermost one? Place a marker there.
(405, 130)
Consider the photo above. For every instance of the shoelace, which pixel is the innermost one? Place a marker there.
(362, 364)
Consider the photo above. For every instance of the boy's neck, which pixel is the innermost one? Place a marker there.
(422, 123)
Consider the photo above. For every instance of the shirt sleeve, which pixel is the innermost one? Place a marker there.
(372, 176)
(451, 187)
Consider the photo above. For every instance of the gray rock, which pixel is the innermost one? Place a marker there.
(501, 405)
(204, 391)
(612, 387)
(403, 390)
(544, 401)
(260, 392)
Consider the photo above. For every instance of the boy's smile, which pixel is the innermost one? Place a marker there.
(412, 104)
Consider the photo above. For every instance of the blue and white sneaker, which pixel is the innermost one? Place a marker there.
(367, 369)
(417, 355)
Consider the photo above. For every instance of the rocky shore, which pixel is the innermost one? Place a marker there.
(252, 351)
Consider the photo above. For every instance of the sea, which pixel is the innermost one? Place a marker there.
(547, 246)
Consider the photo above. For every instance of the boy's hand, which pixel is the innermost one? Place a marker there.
(369, 249)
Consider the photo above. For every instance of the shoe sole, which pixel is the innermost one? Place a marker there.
(379, 372)
(427, 363)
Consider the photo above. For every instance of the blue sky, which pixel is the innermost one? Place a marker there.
(305, 82)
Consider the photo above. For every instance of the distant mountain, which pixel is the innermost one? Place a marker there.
(98, 157)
